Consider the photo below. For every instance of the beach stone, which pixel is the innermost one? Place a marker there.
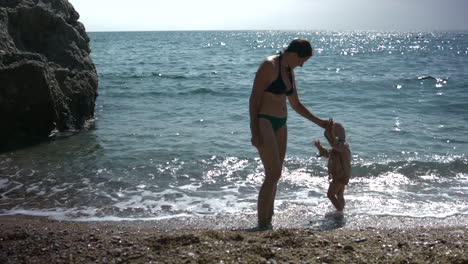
(402, 244)
(360, 240)
(116, 252)
(48, 82)
(348, 248)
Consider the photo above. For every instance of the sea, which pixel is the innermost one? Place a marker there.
(171, 138)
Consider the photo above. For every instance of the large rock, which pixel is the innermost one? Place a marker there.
(48, 81)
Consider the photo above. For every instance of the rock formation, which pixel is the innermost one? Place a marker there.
(48, 81)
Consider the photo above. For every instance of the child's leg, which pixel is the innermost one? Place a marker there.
(340, 196)
(333, 190)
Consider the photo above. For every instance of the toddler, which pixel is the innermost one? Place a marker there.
(339, 163)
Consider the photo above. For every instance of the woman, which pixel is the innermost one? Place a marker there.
(274, 82)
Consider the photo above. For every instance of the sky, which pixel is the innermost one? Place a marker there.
(159, 15)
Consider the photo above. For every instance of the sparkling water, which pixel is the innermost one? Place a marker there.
(172, 134)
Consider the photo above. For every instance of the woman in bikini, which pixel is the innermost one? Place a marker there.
(274, 82)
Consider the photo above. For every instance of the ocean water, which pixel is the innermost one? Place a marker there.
(172, 135)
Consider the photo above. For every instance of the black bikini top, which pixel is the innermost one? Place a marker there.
(278, 86)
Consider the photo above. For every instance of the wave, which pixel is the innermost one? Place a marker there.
(441, 167)
(157, 75)
(120, 92)
(199, 91)
(412, 169)
(426, 78)
(226, 185)
(436, 79)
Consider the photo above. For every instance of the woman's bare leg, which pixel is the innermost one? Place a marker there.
(282, 140)
(269, 154)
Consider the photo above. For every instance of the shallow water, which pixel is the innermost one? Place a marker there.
(172, 131)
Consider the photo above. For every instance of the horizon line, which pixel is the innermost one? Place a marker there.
(288, 30)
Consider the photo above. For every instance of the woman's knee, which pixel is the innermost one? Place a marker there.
(273, 173)
(272, 179)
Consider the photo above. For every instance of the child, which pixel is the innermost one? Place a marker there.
(339, 163)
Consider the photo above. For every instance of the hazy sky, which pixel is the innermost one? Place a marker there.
(404, 15)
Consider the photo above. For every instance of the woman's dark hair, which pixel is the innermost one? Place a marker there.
(300, 46)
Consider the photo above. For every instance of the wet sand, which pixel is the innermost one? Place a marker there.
(26, 239)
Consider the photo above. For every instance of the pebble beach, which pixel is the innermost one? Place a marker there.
(28, 239)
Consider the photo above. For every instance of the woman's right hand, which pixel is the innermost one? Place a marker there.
(327, 124)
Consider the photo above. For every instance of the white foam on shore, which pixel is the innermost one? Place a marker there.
(230, 186)
(291, 219)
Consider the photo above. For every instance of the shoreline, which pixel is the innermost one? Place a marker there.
(29, 239)
(292, 219)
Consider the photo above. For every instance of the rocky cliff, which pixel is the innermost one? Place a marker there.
(48, 81)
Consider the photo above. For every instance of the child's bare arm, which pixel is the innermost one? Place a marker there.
(322, 151)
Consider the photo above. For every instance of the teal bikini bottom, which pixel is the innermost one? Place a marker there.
(276, 122)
